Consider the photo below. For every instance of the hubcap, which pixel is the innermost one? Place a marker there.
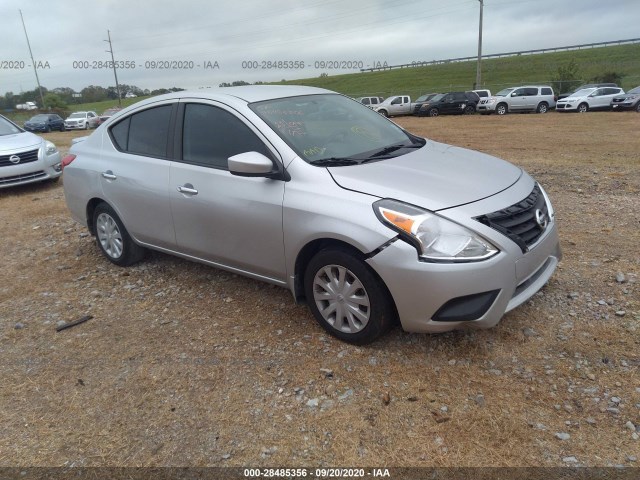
(109, 235)
(341, 299)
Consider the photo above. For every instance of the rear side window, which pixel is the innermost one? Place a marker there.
(144, 133)
(531, 92)
(547, 91)
(211, 135)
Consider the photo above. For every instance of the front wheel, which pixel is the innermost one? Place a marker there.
(384, 113)
(501, 109)
(433, 112)
(638, 107)
(62, 128)
(113, 239)
(583, 108)
(346, 298)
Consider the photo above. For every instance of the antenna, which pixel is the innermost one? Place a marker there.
(113, 63)
(32, 60)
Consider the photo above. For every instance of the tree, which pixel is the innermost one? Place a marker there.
(609, 77)
(54, 101)
(94, 93)
(567, 78)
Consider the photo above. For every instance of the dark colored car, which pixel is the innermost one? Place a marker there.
(44, 122)
(451, 103)
(627, 101)
(587, 85)
(421, 101)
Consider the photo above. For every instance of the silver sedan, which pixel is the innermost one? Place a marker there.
(310, 190)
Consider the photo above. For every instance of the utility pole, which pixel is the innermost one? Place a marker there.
(32, 60)
(113, 63)
(479, 67)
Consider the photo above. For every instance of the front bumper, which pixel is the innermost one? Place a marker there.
(438, 297)
(566, 107)
(47, 167)
(624, 106)
(486, 107)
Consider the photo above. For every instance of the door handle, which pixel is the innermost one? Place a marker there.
(188, 189)
(109, 175)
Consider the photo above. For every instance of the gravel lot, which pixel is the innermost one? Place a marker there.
(186, 365)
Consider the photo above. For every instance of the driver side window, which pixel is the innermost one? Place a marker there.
(210, 135)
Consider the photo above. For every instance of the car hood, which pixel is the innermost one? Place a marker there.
(18, 141)
(435, 177)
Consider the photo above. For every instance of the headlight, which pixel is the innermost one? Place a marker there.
(491, 101)
(50, 148)
(436, 238)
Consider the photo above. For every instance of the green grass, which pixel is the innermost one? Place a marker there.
(497, 73)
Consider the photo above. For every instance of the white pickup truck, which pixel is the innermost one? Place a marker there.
(395, 105)
(27, 106)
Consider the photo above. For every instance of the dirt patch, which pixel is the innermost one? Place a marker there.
(184, 364)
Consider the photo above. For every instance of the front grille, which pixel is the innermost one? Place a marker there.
(22, 178)
(519, 222)
(25, 157)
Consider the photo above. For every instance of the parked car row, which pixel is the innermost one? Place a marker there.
(528, 98)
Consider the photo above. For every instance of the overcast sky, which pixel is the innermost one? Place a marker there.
(200, 33)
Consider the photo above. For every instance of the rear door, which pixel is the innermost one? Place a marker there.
(229, 220)
(134, 174)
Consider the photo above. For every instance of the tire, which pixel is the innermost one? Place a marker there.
(433, 112)
(469, 110)
(113, 239)
(47, 129)
(501, 109)
(86, 126)
(637, 109)
(583, 108)
(543, 107)
(384, 113)
(346, 298)
(62, 128)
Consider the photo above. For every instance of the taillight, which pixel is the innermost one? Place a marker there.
(67, 160)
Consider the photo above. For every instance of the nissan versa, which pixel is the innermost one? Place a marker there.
(310, 190)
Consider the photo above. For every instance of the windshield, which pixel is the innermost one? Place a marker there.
(78, 115)
(437, 98)
(424, 98)
(505, 92)
(583, 93)
(635, 91)
(8, 128)
(323, 129)
(39, 118)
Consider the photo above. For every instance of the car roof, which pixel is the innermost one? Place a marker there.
(248, 93)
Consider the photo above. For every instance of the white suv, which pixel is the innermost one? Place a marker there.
(589, 99)
(529, 98)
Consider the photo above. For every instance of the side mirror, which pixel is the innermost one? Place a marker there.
(514, 94)
(250, 164)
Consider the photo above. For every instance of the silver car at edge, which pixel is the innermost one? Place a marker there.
(25, 157)
(310, 190)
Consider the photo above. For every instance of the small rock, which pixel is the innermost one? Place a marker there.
(444, 409)
(573, 295)
(495, 371)
(591, 421)
(226, 456)
(529, 332)
(571, 459)
(629, 425)
(19, 326)
(60, 323)
(602, 302)
(620, 278)
(615, 399)
(620, 313)
(328, 373)
(373, 361)
(452, 362)
(479, 399)
(346, 395)
(313, 402)
(632, 458)
(635, 436)
(562, 436)
(591, 376)
(386, 398)
(613, 410)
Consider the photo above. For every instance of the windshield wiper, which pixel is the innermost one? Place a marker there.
(335, 161)
(393, 148)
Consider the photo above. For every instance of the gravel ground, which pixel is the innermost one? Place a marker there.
(185, 365)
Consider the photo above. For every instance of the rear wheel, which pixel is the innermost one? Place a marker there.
(113, 239)
(542, 107)
(469, 109)
(583, 108)
(501, 109)
(346, 298)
